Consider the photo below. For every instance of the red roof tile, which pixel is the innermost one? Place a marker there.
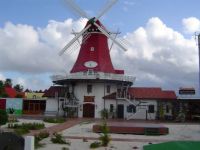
(147, 93)
(12, 93)
(53, 90)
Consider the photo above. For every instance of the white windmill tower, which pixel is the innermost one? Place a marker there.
(93, 75)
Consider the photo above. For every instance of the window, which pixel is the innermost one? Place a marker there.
(151, 109)
(90, 72)
(108, 88)
(131, 109)
(111, 108)
(89, 88)
(91, 48)
(167, 108)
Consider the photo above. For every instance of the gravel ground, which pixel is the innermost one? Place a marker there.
(176, 132)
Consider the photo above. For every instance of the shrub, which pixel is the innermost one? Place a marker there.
(104, 113)
(11, 110)
(3, 117)
(21, 131)
(58, 138)
(24, 128)
(29, 126)
(95, 144)
(65, 148)
(105, 138)
(43, 134)
(54, 120)
(39, 137)
(37, 142)
(33, 126)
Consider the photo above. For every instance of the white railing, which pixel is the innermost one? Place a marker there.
(103, 76)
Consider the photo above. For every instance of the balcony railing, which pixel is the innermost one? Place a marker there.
(102, 76)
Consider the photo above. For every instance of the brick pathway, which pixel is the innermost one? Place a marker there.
(58, 128)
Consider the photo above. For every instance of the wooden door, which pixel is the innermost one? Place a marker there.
(88, 110)
(120, 111)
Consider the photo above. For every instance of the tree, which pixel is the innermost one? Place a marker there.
(3, 117)
(105, 137)
(1, 87)
(8, 82)
(18, 88)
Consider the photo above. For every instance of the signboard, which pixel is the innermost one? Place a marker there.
(187, 91)
(15, 103)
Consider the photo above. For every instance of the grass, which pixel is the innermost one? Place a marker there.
(175, 145)
(39, 137)
(54, 120)
(95, 144)
(29, 126)
(59, 139)
(21, 129)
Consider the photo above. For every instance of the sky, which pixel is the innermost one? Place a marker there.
(159, 36)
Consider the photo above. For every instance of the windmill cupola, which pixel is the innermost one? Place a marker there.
(94, 53)
(93, 28)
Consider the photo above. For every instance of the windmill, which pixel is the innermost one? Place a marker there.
(93, 69)
(92, 22)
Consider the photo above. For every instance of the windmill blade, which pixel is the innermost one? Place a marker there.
(109, 36)
(76, 8)
(75, 35)
(106, 8)
(74, 39)
(114, 38)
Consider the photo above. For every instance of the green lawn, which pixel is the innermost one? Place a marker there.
(176, 145)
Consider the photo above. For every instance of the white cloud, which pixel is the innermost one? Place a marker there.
(191, 25)
(127, 4)
(2, 77)
(26, 49)
(158, 54)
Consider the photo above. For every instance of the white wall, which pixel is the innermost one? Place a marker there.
(80, 91)
(52, 106)
(140, 110)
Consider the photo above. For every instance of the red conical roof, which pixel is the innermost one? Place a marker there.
(94, 53)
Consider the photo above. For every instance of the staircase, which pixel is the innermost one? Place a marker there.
(70, 101)
(140, 111)
(122, 94)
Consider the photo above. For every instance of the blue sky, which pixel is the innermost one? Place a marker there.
(126, 14)
(132, 17)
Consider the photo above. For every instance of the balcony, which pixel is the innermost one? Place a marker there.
(94, 76)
